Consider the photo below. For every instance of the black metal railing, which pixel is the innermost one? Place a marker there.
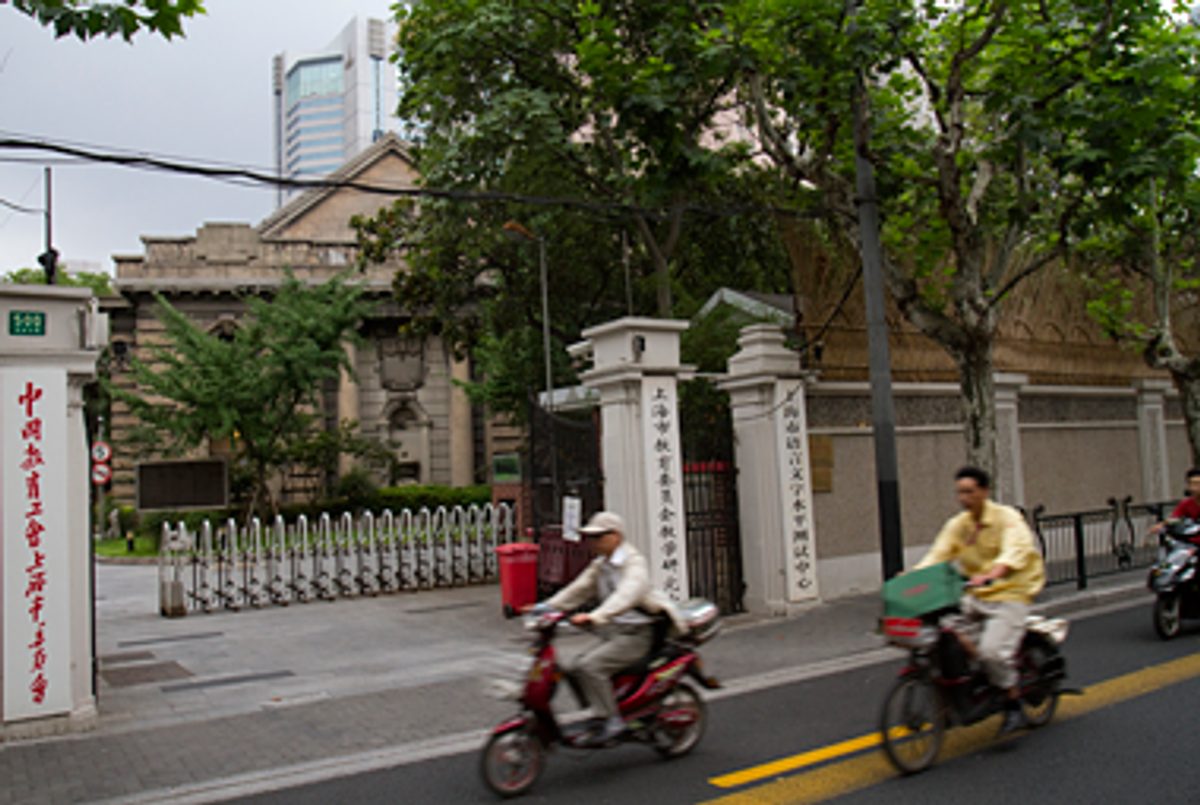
(1080, 546)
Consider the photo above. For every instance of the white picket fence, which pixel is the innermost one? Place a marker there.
(234, 566)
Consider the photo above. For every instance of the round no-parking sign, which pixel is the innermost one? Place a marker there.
(101, 474)
(101, 452)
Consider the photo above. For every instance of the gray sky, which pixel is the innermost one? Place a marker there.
(204, 97)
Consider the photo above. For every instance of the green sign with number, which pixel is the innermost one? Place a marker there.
(26, 322)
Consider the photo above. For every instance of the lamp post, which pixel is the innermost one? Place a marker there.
(883, 407)
(519, 234)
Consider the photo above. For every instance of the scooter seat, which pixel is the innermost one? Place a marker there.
(651, 662)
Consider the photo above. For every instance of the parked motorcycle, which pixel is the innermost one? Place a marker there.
(659, 706)
(941, 687)
(1174, 579)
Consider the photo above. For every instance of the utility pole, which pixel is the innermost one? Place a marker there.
(49, 258)
(883, 408)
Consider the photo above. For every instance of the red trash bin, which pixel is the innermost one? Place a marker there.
(518, 576)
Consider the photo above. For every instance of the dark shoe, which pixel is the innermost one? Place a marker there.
(1014, 719)
(608, 730)
(581, 728)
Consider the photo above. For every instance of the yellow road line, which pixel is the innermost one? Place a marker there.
(783, 765)
(864, 771)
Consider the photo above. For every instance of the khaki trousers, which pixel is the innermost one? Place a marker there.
(1003, 627)
(616, 646)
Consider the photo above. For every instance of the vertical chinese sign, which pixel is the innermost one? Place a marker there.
(664, 477)
(799, 543)
(33, 443)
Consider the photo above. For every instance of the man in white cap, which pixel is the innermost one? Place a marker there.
(619, 578)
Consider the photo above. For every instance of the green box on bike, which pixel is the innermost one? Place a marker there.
(920, 592)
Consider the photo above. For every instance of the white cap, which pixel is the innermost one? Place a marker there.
(602, 523)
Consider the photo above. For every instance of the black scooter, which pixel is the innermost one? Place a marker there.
(1174, 578)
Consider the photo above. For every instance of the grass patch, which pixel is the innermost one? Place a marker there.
(142, 546)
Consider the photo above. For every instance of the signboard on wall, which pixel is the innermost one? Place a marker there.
(166, 485)
(33, 447)
(664, 492)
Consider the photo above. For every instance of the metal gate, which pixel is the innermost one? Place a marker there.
(710, 495)
(563, 459)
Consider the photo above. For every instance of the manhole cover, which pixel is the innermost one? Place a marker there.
(143, 674)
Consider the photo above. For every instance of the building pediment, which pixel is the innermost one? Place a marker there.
(322, 214)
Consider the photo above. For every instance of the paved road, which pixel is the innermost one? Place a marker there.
(1132, 738)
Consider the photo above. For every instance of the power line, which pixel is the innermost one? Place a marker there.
(18, 208)
(21, 200)
(241, 174)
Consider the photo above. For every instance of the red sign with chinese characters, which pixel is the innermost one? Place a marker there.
(33, 409)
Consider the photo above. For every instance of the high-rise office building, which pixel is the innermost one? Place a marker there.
(332, 104)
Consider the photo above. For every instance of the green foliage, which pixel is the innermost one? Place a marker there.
(258, 388)
(116, 548)
(150, 524)
(357, 488)
(86, 19)
(395, 499)
(611, 108)
(711, 341)
(321, 453)
(98, 281)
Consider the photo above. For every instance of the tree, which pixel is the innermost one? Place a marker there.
(965, 106)
(616, 110)
(258, 388)
(99, 281)
(615, 103)
(1144, 222)
(88, 20)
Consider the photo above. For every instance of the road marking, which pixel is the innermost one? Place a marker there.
(866, 770)
(315, 771)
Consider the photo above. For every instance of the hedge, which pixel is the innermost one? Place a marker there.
(395, 498)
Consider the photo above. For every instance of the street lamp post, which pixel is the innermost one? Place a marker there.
(883, 407)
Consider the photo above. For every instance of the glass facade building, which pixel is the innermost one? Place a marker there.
(332, 104)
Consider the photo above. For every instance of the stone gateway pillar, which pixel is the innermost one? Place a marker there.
(48, 349)
(1157, 482)
(636, 370)
(767, 396)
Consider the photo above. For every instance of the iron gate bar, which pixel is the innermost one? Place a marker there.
(234, 568)
(1081, 546)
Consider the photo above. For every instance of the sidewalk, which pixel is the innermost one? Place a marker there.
(263, 697)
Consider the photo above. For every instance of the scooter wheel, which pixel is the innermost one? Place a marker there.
(913, 724)
(512, 761)
(680, 722)
(1168, 617)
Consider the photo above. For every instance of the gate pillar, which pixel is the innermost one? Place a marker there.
(49, 344)
(767, 396)
(636, 370)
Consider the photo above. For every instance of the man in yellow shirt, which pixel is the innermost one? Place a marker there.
(993, 547)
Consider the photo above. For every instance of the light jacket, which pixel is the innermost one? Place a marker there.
(1001, 537)
(633, 590)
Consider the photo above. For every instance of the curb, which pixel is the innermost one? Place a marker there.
(263, 781)
(1092, 599)
(127, 560)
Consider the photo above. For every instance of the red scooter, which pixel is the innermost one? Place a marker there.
(659, 707)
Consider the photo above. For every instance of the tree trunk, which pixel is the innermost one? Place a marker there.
(1189, 392)
(976, 373)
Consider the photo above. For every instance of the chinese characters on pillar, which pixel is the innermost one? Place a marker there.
(32, 467)
(36, 604)
(797, 493)
(668, 543)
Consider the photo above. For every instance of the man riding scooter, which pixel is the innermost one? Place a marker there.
(994, 548)
(623, 623)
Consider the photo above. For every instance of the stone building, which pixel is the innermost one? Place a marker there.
(405, 392)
